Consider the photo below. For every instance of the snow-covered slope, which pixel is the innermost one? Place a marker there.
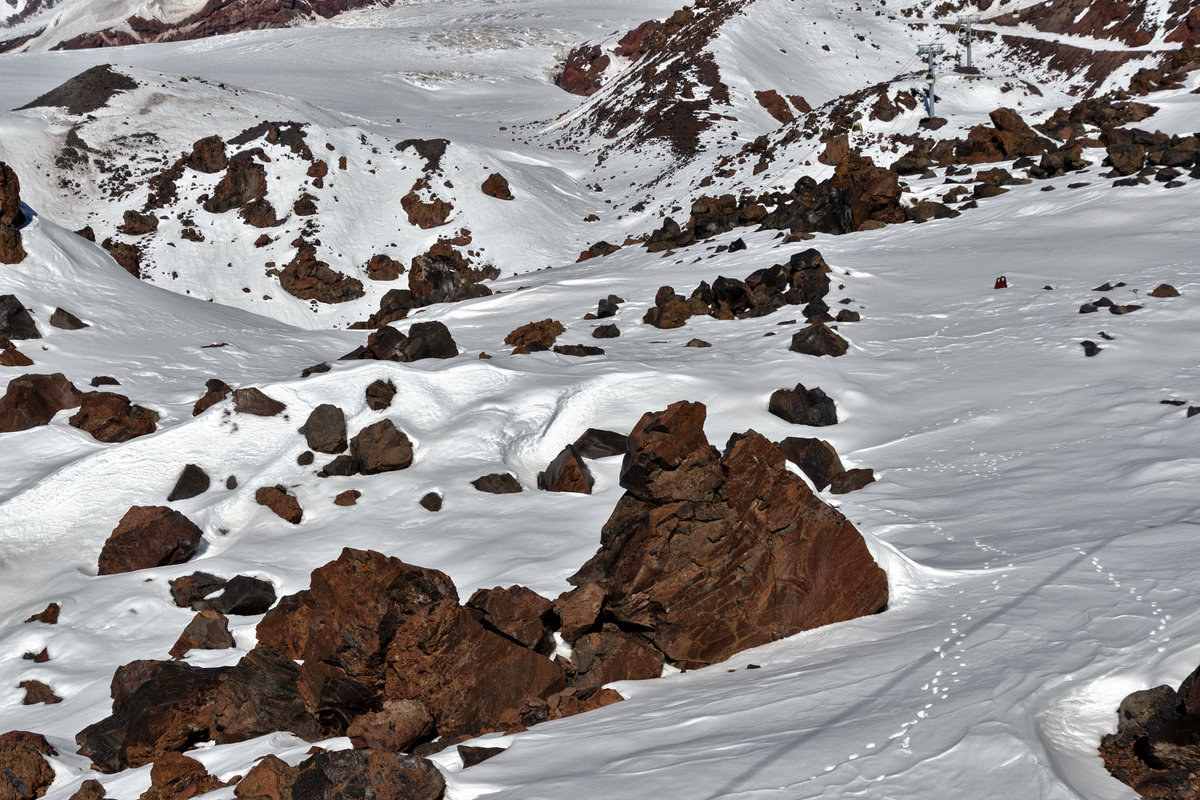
(1034, 507)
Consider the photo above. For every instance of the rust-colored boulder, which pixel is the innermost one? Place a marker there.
(215, 392)
(1164, 290)
(10, 356)
(24, 773)
(472, 755)
(443, 275)
(497, 483)
(128, 256)
(816, 458)
(803, 406)
(138, 224)
(379, 394)
(149, 536)
(567, 473)
(534, 336)
(775, 105)
(582, 70)
(110, 417)
(325, 429)
(253, 401)
(396, 727)
(188, 589)
(382, 268)
(425, 214)
(12, 250)
(208, 155)
(818, 339)
(208, 630)
(91, 789)
(579, 700)
(709, 553)
(48, 616)
(496, 186)
(285, 505)
(347, 498)
(11, 217)
(244, 180)
(344, 775)
(851, 480)
(516, 612)
(670, 310)
(259, 695)
(607, 656)
(308, 278)
(32, 400)
(174, 776)
(381, 447)
(869, 194)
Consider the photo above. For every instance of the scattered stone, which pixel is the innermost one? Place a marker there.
(15, 320)
(253, 401)
(231, 482)
(497, 483)
(816, 458)
(306, 458)
(379, 394)
(38, 658)
(110, 417)
(534, 336)
(851, 480)
(149, 536)
(382, 268)
(1090, 348)
(578, 350)
(802, 406)
(208, 630)
(432, 501)
(174, 776)
(342, 466)
(496, 186)
(216, 391)
(606, 332)
(49, 615)
(285, 505)
(315, 369)
(567, 473)
(381, 447)
(1164, 290)
(66, 320)
(697, 343)
(818, 340)
(241, 595)
(347, 498)
(598, 443)
(189, 589)
(104, 380)
(325, 429)
(33, 400)
(10, 356)
(38, 692)
(24, 772)
(193, 481)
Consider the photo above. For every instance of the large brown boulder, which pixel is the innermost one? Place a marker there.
(865, 192)
(708, 554)
(253, 401)
(396, 727)
(381, 447)
(534, 336)
(244, 180)
(567, 473)
(424, 340)
(816, 458)
(308, 278)
(15, 320)
(819, 340)
(607, 656)
(32, 400)
(325, 429)
(174, 776)
(149, 536)
(110, 417)
(283, 503)
(215, 392)
(24, 773)
(208, 630)
(11, 217)
(344, 775)
(517, 612)
(803, 406)
(259, 695)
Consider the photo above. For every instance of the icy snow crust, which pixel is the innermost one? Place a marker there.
(1035, 510)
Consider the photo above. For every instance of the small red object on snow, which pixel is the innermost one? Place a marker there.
(1002, 282)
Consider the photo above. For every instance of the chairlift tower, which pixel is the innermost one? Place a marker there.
(966, 27)
(930, 51)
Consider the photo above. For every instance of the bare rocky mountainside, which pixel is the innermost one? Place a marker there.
(389, 386)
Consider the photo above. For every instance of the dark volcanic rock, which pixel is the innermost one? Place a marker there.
(11, 215)
(743, 552)
(607, 656)
(802, 406)
(15, 320)
(192, 481)
(24, 773)
(345, 775)
(216, 392)
(816, 458)
(382, 268)
(818, 340)
(285, 505)
(472, 755)
(88, 91)
(91, 789)
(567, 473)
(174, 776)
(597, 443)
(851, 480)
(431, 501)
(534, 336)
(189, 589)
(423, 340)
(310, 279)
(49, 615)
(37, 692)
(32, 400)
(497, 483)
(496, 186)
(259, 695)
(381, 447)
(241, 595)
(379, 394)
(244, 181)
(149, 536)
(579, 609)
(110, 417)
(396, 727)
(516, 612)
(325, 429)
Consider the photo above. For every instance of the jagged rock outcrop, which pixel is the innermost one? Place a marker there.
(149, 536)
(111, 417)
(803, 406)
(534, 336)
(708, 553)
(308, 278)
(208, 630)
(15, 320)
(423, 340)
(325, 429)
(344, 775)
(11, 217)
(567, 473)
(24, 773)
(192, 482)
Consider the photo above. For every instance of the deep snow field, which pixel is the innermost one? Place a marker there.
(1035, 510)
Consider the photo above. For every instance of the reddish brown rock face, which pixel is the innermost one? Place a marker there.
(24, 773)
(710, 554)
(149, 536)
(310, 279)
(496, 186)
(32, 400)
(567, 473)
(516, 612)
(285, 505)
(534, 336)
(11, 217)
(344, 775)
(582, 71)
(174, 776)
(110, 417)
